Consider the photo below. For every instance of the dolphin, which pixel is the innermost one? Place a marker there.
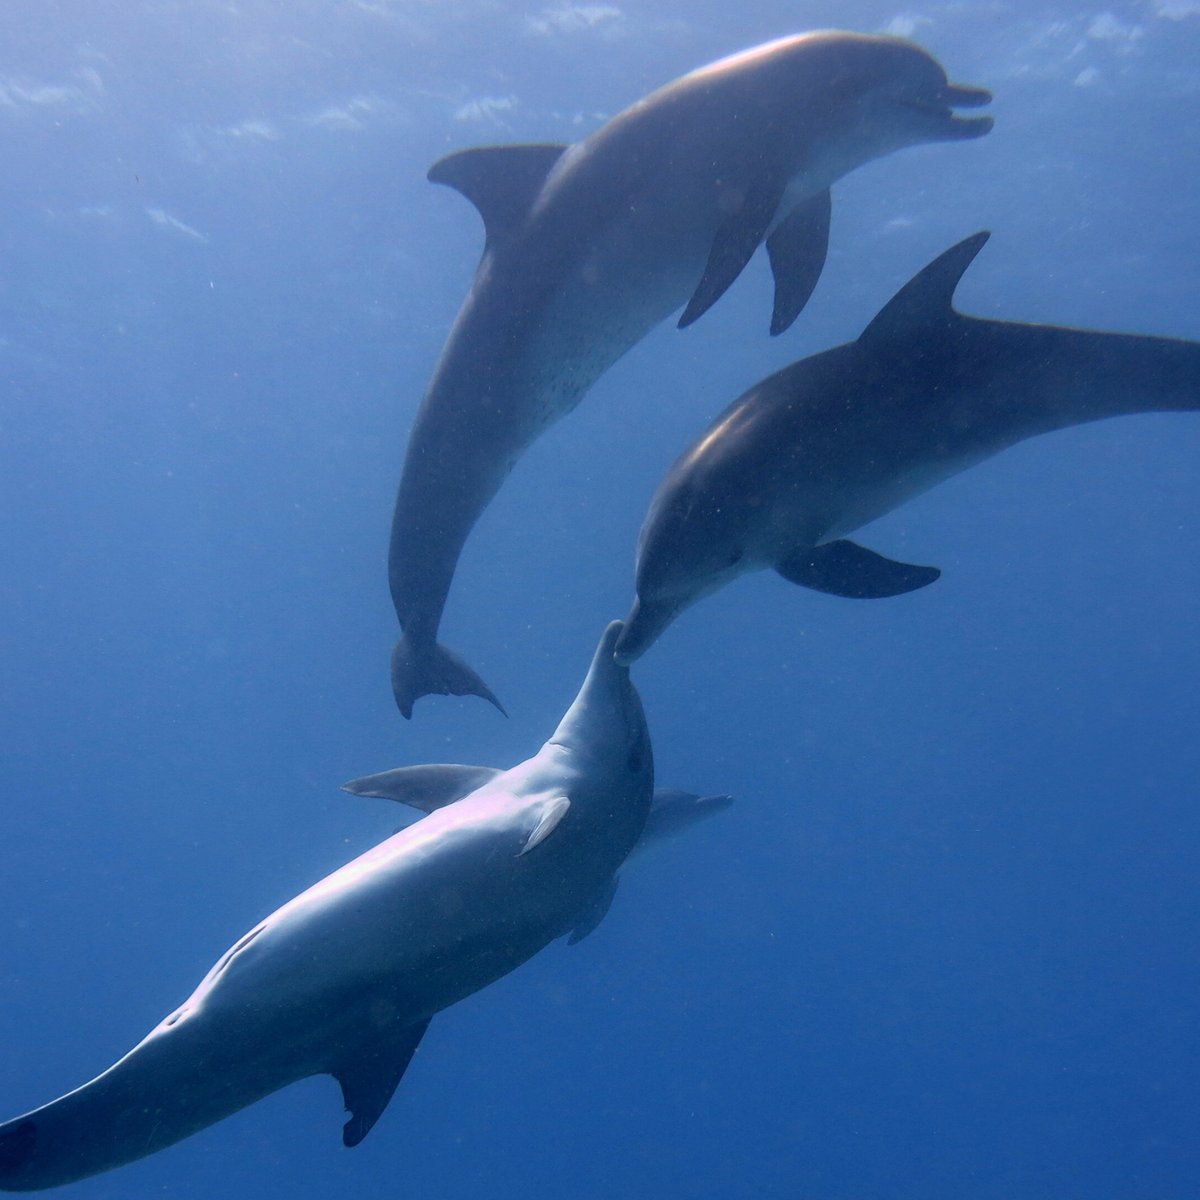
(672, 812)
(343, 979)
(589, 246)
(836, 440)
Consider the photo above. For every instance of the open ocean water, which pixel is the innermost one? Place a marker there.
(945, 943)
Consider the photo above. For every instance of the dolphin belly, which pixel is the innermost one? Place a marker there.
(856, 506)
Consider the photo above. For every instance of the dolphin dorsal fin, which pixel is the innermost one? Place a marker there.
(501, 181)
(926, 301)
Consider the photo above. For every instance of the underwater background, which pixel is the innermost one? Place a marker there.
(945, 942)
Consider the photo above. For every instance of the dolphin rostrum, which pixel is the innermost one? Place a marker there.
(838, 439)
(343, 979)
(589, 246)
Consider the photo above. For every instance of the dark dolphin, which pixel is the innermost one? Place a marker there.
(343, 980)
(589, 246)
(836, 440)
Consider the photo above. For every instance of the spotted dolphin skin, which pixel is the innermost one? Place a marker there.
(836, 440)
(344, 979)
(589, 246)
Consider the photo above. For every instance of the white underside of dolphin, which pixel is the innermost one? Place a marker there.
(344, 978)
(590, 246)
(837, 440)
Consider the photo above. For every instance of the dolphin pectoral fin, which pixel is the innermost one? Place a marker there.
(501, 181)
(845, 568)
(368, 1082)
(429, 669)
(672, 811)
(797, 250)
(737, 239)
(428, 787)
(552, 813)
(594, 913)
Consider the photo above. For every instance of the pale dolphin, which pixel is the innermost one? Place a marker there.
(344, 979)
(427, 788)
(836, 440)
(589, 246)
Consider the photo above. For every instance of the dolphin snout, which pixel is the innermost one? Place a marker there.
(962, 95)
(932, 112)
(608, 642)
(641, 629)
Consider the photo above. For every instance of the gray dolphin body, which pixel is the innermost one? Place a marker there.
(590, 246)
(836, 440)
(344, 978)
(672, 812)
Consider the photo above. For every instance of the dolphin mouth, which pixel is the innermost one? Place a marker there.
(940, 111)
(641, 629)
(963, 95)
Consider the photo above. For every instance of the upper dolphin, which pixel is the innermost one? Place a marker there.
(589, 246)
(344, 978)
(836, 440)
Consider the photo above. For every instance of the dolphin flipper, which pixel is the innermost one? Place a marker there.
(797, 250)
(736, 241)
(550, 816)
(594, 913)
(368, 1084)
(428, 787)
(844, 568)
(673, 811)
(432, 670)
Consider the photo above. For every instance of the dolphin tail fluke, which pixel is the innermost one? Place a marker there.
(430, 669)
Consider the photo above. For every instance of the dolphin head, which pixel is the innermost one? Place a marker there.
(683, 555)
(910, 99)
(853, 97)
(665, 592)
(605, 726)
(705, 526)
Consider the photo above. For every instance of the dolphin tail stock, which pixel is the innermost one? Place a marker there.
(153, 1097)
(160, 1093)
(429, 669)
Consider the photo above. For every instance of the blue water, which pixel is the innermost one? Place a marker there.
(944, 945)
